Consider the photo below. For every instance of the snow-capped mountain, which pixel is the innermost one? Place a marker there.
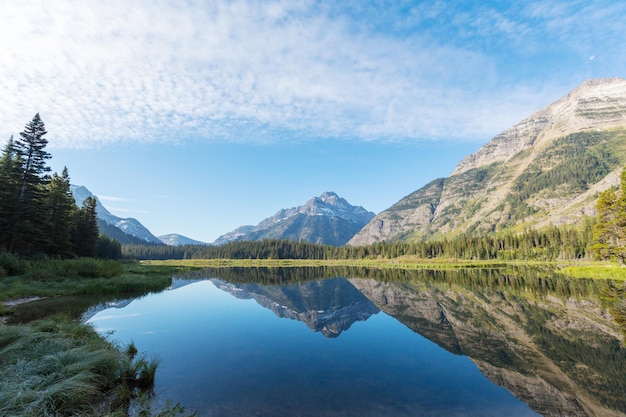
(327, 219)
(109, 222)
(174, 239)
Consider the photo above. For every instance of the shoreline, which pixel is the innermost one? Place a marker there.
(23, 300)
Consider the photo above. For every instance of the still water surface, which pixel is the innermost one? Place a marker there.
(346, 347)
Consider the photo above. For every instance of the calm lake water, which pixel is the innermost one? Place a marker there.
(423, 343)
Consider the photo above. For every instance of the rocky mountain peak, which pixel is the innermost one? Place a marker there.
(330, 197)
(595, 104)
(327, 219)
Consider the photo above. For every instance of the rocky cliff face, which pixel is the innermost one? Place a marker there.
(327, 219)
(552, 353)
(595, 104)
(545, 170)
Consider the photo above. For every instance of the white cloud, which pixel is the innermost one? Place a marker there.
(111, 198)
(128, 211)
(107, 72)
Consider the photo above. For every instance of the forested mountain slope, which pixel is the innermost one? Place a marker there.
(548, 169)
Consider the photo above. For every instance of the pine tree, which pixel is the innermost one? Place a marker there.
(10, 179)
(26, 234)
(62, 210)
(31, 147)
(109, 248)
(86, 232)
(609, 232)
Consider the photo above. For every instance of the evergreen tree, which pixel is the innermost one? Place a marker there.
(86, 232)
(609, 232)
(109, 248)
(10, 179)
(25, 235)
(63, 214)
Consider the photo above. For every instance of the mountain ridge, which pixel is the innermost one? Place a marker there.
(174, 239)
(113, 226)
(327, 219)
(545, 170)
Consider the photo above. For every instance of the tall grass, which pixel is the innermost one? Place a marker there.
(57, 367)
(82, 276)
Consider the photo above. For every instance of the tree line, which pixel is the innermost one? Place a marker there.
(38, 214)
(563, 242)
(602, 237)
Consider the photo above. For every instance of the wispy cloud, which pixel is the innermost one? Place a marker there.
(128, 211)
(111, 198)
(252, 70)
(169, 197)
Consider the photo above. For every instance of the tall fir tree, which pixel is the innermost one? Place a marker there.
(27, 235)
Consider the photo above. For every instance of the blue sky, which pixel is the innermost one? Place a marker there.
(196, 117)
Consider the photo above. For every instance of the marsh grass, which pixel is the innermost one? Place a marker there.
(57, 367)
(394, 263)
(596, 270)
(83, 276)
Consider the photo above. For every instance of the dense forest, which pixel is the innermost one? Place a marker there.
(565, 242)
(38, 214)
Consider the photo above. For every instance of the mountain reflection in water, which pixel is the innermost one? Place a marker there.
(330, 306)
(551, 342)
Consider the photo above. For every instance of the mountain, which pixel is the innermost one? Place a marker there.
(174, 239)
(327, 219)
(547, 169)
(123, 230)
(328, 306)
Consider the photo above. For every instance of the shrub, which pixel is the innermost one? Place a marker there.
(12, 264)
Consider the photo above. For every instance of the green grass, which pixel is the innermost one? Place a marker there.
(49, 278)
(572, 269)
(595, 270)
(58, 367)
(402, 263)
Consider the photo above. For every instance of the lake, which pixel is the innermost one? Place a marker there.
(327, 342)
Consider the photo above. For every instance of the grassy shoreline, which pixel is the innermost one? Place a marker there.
(84, 277)
(572, 269)
(59, 366)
